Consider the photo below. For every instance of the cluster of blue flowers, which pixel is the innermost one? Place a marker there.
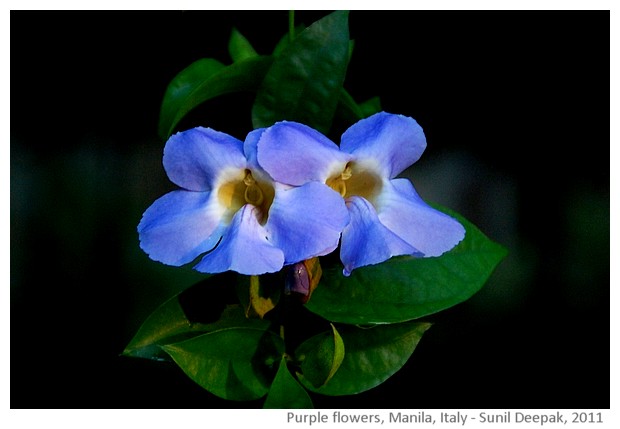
(288, 193)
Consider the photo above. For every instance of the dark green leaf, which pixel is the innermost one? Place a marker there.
(407, 288)
(372, 356)
(305, 80)
(199, 309)
(239, 47)
(348, 109)
(233, 363)
(321, 356)
(206, 79)
(285, 40)
(179, 97)
(351, 111)
(286, 392)
(370, 106)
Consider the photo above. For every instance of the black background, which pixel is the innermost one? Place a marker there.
(515, 107)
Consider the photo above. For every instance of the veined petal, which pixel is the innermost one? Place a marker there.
(244, 248)
(365, 241)
(306, 221)
(196, 158)
(179, 226)
(394, 142)
(295, 154)
(404, 212)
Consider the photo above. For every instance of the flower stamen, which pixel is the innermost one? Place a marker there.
(357, 179)
(253, 194)
(338, 183)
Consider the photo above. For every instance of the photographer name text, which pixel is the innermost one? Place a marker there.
(458, 418)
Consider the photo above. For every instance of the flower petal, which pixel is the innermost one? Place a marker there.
(365, 241)
(250, 146)
(244, 248)
(180, 226)
(306, 221)
(393, 141)
(295, 154)
(403, 211)
(250, 150)
(194, 159)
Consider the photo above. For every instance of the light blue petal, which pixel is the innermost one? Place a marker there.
(250, 147)
(295, 154)
(244, 248)
(306, 221)
(394, 142)
(180, 226)
(195, 158)
(250, 150)
(408, 216)
(365, 241)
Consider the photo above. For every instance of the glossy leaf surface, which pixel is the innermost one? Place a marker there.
(321, 357)
(233, 363)
(203, 80)
(304, 82)
(286, 392)
(372, 356)
(204, 307)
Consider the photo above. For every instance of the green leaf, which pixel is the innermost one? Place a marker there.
(406, 288)
(202, 308)
(180, 98)
(239, 47)
(305, 80)
(351, 111)
(321, 356)
(206, 79)
(234, 363)
(372, 356)
(348, 109)
(286, 39)
(371, 106)
(286, 392)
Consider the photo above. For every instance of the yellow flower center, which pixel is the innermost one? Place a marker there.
(253, 194)
(356, 180)
(244, 189)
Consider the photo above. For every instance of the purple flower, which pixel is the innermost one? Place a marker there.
(387, 217)
(231, 213)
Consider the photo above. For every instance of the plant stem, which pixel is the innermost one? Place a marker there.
(291, 25)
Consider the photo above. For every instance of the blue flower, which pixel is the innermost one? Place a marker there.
(231, 213)
(387, 216)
